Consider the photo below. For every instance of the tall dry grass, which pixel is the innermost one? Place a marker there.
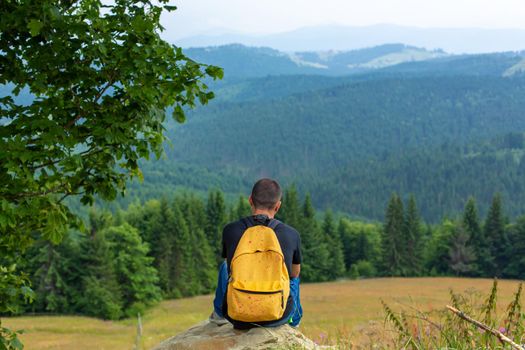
(473, 321)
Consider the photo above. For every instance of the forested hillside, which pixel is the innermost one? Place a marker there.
(321, 130)
(355, 140)
(442, 177)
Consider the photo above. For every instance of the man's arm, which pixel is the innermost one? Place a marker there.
(296, 270)
(297, 258)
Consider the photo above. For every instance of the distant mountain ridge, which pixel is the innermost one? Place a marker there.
(366, 58)
(247, 61)
(241, 61)
(333, 37)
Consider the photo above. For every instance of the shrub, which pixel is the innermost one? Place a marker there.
(366, 268)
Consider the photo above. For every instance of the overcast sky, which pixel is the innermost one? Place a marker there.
(271, 16)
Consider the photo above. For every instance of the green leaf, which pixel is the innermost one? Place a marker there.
(35, 26)
(102, 49)
(214, 72)
(16, 344)
(178, 114)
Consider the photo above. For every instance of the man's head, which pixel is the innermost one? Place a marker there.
(266, 195)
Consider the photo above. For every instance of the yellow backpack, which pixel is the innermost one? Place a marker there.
(259, 284)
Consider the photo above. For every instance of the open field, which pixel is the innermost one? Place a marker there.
(345, 309)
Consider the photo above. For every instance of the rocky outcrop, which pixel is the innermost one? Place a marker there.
(209, 336)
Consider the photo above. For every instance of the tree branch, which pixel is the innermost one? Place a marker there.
(36, 194)
(69, 194)
(87, 152)
(95, 101)
(502, 337)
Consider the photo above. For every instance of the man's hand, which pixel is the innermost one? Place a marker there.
(296, 270)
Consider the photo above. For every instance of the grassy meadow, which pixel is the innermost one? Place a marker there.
(336, 311)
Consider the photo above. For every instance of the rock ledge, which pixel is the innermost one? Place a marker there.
(209, 336)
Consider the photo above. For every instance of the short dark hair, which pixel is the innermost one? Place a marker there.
(266, 193)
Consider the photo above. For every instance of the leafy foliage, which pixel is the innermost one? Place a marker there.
(14, 289)
(100, 78)
(9, 339)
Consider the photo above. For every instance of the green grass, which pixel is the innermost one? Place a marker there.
(346, 312)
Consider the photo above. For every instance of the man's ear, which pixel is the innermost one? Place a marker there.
(250, 201)
(277, 206)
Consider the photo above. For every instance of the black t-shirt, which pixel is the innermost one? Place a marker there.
(287, 236)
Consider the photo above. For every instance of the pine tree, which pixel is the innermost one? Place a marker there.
(203, 262)
(413, 252)
(241, 209)
(162, 241)
(145, 217)
(335, 247)
(133, 268)
(496, 236)
(349, 243)
(477, 240)
(392, 238)
(182, 273)
(315, 264)
(290, 211)
(203, 259)
(361, 244)
(462, 257)
(216, 220)
(194, 210)
(437, 252)
(101, 293)
(516, 267)
(99, 220)
(51, 265)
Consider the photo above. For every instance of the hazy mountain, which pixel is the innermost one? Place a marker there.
(243, 61)
(494, 64)
(324, 38)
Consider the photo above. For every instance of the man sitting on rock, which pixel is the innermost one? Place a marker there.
(258, 284)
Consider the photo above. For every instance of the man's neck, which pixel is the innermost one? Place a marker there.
(268, 213)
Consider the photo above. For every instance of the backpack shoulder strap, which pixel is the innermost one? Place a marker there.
(273, 223)
(246, 223)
